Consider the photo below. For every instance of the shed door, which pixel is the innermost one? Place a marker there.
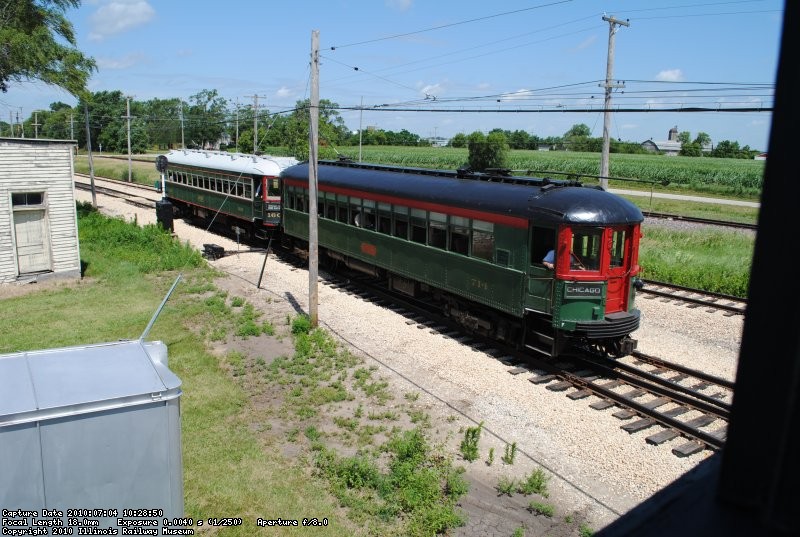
(30, 231)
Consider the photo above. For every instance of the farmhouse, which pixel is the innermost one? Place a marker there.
(38, 223)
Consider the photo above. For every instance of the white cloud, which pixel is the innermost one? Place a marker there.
(399, 5)
(586, 43)
(119, 63)
(118, 16)
(432, 90)
(670, 75)
(283, 93)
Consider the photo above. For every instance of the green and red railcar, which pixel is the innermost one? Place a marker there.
(475, 244)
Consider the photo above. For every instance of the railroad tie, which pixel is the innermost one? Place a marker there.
(579, 394)
(701, 421)
(559, 386)
(638, 425)
(518, 370)
(689, 448)
(679, 377)
(661, 437)
(602, 405)
(541, 379)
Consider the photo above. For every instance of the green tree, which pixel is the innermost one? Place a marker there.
(162, 119)
(578, 129)
(106, 123)
(702, 139)
(459, 140)
(685, 137)
(31, 45)
(206, 119)
(487, 152)
(332, 129)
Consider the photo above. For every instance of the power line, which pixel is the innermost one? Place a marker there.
(448, 25)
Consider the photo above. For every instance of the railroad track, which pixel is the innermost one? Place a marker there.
(648, 392)
(695, 298)
(706, 221)
(127, 197)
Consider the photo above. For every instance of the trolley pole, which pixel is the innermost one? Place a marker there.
(313, 169)
(612, 30)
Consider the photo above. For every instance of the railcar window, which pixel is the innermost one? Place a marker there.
(618, 248)
(355, 211)
(459, 235)
(321, 207)
(482, 240)
(368, 216)
(419, 226)
(400, 221)
(343, 216)
(385, 218)
(586, 249)
(273, 186)
(437, 230)
(330, 205)
(542, 241)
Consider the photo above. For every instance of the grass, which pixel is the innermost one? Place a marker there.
(717, 261)
(225, 468)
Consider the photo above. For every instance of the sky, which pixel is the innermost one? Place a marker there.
(441, 67)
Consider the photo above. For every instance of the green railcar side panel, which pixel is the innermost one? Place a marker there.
(502, 288)
(540, 289)
(213, 201)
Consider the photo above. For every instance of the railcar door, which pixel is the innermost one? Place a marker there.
(620, 244)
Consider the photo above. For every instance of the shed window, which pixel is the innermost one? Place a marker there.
(27, 198)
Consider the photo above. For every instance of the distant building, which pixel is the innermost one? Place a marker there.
(760, 156)
(38, 222)
(671, 146)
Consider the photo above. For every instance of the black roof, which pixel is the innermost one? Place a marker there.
(545, 200)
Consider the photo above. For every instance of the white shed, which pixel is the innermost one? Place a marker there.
(38, 222)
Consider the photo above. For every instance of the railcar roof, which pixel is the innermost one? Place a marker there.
(554, 201)
(230, 162)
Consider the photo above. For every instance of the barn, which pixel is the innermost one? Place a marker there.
(38, 222)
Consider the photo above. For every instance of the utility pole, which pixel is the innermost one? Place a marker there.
(360, 128)
(11, 122)
(128, 117)
(612, 31)
(36, 124)
(313, 171)
(237, 124)
(183, 145)
(89, 154)
(255, 121)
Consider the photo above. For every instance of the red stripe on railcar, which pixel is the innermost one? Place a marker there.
(511, 221)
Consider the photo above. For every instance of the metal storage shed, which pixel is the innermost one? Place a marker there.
(91, 427)
(38, 224)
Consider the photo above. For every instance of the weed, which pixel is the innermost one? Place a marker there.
(469, 446)
(536, 482)
(268, 328)
(359, 411)
(291, 434)
(541, 509)
(510, 454)
(490, 460)
(411, 396)
(451, 418)
(519, 532)
(507, 485)
(301, 324)
(237, 302)
(346, 423)
(568, 519)
(585, 531)
(312, 433)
